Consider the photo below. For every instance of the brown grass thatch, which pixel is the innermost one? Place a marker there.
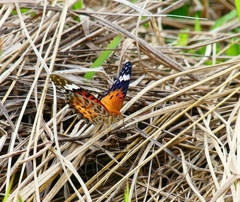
(180, 137)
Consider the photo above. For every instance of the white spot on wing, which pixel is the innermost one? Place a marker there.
(120, 78)
(126, 77)
(71, 87)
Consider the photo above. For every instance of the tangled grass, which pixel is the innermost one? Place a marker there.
(180, 136)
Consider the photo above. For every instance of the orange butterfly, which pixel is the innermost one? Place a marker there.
(97, 111)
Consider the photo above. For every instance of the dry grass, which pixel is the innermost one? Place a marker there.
(175, 102)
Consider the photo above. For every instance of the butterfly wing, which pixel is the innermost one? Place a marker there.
(113, 99)
(83, 102)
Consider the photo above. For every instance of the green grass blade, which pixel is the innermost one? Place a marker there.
(182, 38)
(237, 3)
(126, 193)
(197, 26)
(5, 199)
(104, 55)
(225, 19)
(77, 5)
(233, 50)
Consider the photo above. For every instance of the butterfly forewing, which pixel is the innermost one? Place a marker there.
(113, 99)
(63, 83)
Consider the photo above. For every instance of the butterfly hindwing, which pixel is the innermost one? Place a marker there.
(113, 99)
(83, 102)
(88, 107)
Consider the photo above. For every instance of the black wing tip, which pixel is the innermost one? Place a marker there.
(128, 64)
(127, 68)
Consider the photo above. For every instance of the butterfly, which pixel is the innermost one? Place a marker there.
(94, 110)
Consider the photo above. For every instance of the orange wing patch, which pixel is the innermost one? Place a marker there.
(114, 101)
(88, 109)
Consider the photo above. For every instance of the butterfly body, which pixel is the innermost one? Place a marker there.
(97, 111)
